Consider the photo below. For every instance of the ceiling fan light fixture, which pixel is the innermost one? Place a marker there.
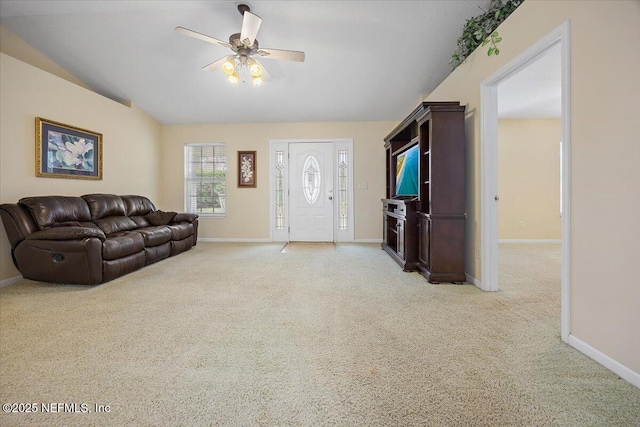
(233, 78)
(229, 66)
(258, 81)
(255, 69)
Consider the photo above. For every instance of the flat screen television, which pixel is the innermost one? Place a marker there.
(407, 172)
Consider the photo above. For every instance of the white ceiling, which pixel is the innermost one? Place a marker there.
(534, 92)
(365, 60)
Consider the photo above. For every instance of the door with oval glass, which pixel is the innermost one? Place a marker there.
(311, 192)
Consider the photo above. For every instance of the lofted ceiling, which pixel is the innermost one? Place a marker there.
(365, 60)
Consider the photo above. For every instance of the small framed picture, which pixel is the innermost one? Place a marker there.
(247, 169)
(65, 151)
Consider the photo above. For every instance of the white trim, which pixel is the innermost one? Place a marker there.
(283, 145)
(233, 240)
(10, 281)
(532, 241)
(489, 164)
(606, 361)
(367, 240)
(565, 304)
(473, 281)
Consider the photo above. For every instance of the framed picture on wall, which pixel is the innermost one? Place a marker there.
(65, 151)
(247, 169)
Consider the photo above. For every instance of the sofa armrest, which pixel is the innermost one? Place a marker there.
(77, 261)
(67, 233)
(184, 217)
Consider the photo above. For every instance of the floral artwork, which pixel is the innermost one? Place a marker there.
(247, 169)
(64, 151)
(69, 152)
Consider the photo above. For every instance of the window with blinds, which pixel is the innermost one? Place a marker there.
(205, 179)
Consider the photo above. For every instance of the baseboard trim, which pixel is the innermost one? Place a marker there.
(10, 281)
(367, 241)
(529, 241)
(473, 280)
(606, 361)
(232, 240)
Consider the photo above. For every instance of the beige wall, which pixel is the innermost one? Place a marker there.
(248, 209)
(131, 140)
(529, 179)
(605, 154)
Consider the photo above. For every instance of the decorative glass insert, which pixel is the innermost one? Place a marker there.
(343, 219)
(311, 180)
(280, 190)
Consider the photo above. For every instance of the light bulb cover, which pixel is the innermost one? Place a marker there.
(255, 69)
(233, 78)
(258, 81)
(229, 66)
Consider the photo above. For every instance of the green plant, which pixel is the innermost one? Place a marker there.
(481, 30)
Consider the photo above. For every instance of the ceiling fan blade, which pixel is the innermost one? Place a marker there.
(288, 55)
(250, 26)
(202, 37)
(215, 65)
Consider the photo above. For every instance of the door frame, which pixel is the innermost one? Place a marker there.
(282, 235)
(489, 164)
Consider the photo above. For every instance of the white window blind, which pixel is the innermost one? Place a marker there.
(205, 179)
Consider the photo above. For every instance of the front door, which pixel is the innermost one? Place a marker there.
(311, 192)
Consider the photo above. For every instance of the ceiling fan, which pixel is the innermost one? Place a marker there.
(244, 46)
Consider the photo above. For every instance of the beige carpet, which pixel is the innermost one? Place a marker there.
(245, 335)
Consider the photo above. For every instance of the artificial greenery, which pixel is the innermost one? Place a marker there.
(481, 30)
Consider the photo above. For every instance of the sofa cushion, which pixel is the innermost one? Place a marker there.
(48, 210)
(137, 205)
(154, 236)
(181, 231)
(122, 245)
(104, 205)
(115, 224)
(160, 217)
(140, 221)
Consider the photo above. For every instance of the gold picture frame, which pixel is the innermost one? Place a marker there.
(65, 151)
(247, 169)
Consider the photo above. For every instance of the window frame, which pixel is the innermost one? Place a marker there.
(186, 203)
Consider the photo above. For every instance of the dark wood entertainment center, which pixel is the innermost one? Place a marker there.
(425, 231)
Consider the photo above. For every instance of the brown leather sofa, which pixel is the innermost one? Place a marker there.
(94, 238)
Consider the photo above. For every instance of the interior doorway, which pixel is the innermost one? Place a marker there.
(490, 196)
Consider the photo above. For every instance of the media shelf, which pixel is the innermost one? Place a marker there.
(426, 232)
(399, 236)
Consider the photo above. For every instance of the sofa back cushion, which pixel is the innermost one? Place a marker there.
(137, 205)
(49, 210)
(104, 205)
(115, 224)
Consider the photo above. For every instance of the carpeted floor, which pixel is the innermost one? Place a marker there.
(246, 335)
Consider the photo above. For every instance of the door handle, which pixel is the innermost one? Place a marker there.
(330, 197)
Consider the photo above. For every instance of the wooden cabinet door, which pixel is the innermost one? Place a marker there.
(424, 228)
(401, 249)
